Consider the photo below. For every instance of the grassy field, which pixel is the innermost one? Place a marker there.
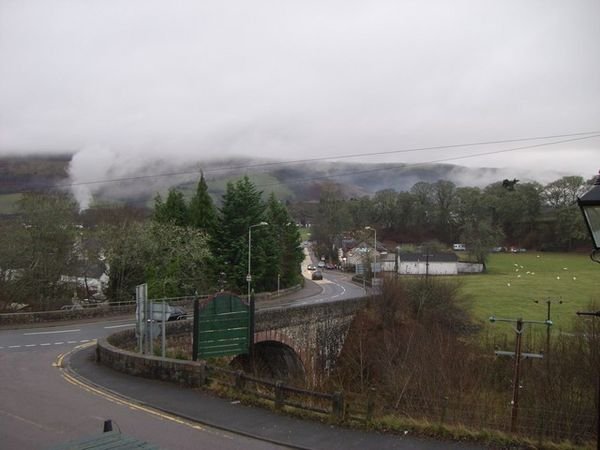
(8, 203)
(515, 280)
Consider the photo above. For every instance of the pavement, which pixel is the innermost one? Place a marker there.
(203, 407)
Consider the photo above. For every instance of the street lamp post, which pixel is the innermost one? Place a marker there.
(249, 276)
(590, 208)
(374, 250)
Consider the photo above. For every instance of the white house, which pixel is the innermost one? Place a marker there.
(432, 264)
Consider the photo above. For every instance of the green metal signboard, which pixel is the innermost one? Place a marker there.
(224, 327)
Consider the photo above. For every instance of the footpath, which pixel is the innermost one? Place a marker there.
(203, 407)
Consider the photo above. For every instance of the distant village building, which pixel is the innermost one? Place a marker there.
(427, 263)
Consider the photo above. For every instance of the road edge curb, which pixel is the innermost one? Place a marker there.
(66, 367)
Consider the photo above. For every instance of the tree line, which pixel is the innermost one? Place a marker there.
(504, 213)
(275, 252)
(183, 248)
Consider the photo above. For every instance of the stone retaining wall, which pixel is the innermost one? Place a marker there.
(187, 373)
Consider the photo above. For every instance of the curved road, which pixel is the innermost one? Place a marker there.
(42, 406)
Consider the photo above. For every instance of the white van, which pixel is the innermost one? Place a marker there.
(459, 247)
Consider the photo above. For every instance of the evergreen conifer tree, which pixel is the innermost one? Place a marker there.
(202, 212)
(242, 207)
(286, 236)
(174, 211)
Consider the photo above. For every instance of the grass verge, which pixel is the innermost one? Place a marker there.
(404, 426)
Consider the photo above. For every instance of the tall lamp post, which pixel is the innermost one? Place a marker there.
(590, 208)
(374, 249)
(249, 276)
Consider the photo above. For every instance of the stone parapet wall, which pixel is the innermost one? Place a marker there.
(187, 373)
(40, 317)
(21, 318)
(277, 318)
(110, 310)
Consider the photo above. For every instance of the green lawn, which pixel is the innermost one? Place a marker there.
(8, 203)
(514, 281)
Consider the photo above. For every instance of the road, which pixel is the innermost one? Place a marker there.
(42, 406)
(334, 286)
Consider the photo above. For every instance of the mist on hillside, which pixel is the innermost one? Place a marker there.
(99, 172)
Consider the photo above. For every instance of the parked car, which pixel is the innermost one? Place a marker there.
(329, 266)
(177, 313)
(459, 247)
(321, 265)
(70, 307)
(317, 275)
(311, 267)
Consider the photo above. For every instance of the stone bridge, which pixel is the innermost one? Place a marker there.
(289, 342)
(302, 341)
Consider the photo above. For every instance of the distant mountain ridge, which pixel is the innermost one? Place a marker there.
(290, 181)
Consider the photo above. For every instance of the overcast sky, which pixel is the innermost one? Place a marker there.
(117, 81)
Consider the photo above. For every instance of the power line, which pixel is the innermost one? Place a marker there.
(435, 161)
(583, 136)
(347, 156)
(423, 163)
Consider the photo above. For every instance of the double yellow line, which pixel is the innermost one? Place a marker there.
(120, 400)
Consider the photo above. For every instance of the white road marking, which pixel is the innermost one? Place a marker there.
(50, 332)
(120, 326)
(47, 343)
(71, 342)
(58, 343)
(13, 346)
(85, 340)
(30, 345)
(341, 293)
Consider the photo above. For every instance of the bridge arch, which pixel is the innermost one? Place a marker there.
(275, 357)
(278, 361)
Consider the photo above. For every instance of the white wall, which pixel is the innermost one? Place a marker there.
(467, 267)
(420, 268)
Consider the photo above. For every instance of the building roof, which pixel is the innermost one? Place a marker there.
(433, 257)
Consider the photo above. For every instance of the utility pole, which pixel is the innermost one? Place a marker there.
(548, 302)
(516, 376)
(518, 355)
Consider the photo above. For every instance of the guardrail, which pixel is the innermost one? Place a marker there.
(86, 312)
(109, 309)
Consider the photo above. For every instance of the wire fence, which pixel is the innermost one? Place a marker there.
(533, 423)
